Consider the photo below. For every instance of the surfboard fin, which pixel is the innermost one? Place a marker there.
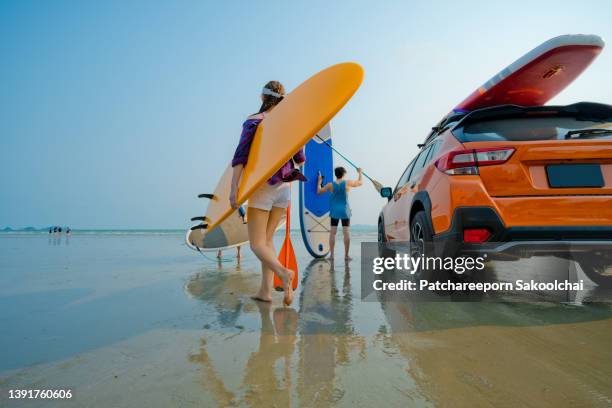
(209, 196)
(203, 219)
(197, 227)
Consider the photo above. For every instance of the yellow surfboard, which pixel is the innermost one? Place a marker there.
(287, 128)
(230, 233)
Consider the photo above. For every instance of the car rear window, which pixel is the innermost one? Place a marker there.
(526, 129)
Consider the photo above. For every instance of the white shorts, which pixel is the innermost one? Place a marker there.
(267, 196)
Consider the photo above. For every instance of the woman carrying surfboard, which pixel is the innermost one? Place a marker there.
(339, 208)
(267, 206)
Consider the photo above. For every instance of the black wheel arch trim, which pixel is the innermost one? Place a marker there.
(421, 199)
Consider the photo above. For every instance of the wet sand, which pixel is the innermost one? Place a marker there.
(140, 320)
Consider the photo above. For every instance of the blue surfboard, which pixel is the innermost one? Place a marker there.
(314, 208)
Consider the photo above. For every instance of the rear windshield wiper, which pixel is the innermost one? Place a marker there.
(576, 134)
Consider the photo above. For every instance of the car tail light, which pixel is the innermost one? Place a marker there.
(476, 235)
(462, 162)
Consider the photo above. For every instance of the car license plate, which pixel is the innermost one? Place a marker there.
(574, 175)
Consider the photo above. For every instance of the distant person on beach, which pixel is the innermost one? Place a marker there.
(68, 230)
(220, 253)
(339, 208)
(242, 213)
(268, 205)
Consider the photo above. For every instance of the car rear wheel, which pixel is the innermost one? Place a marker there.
(421, 237)
(599, 272)
(421, 244)
(421, 234)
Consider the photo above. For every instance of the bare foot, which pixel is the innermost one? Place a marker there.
(287, 279)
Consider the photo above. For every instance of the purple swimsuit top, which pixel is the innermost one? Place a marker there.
(286, 173)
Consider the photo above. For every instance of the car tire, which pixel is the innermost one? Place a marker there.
(421, 235)
(421, 238)
(598, 272)
(421, 242)
(383, 249)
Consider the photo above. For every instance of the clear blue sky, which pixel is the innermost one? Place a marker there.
(118, 113)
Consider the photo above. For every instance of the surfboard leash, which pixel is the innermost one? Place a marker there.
(217, 260)
(377, 185)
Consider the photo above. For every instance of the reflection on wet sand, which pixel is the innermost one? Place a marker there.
(444, 354)
(326, 334)
(526, 353)
(211, 345)
(214, 384)
(264, 385)
(225, 291)
(317, 348)
(497, 354)
(326, 338)
(512, 366)
(56, 240)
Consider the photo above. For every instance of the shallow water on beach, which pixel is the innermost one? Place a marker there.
(140, 320)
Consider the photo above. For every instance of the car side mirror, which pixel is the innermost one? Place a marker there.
(386, 192)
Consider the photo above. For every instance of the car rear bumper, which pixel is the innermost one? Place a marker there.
(536, 239)
(553, 211)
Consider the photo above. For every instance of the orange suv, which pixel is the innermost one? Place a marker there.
(513, 175)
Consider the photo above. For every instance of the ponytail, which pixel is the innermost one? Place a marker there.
(274, 92)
